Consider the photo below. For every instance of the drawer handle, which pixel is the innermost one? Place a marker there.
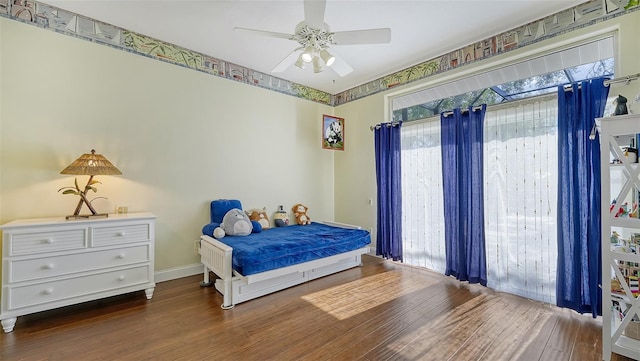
(121, 256)
(48, 291)
(47, 266)
(48, 241)
(121, 278)
(120, 234)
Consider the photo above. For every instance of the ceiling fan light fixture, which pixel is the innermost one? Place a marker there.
(307, 55)
(318, 65)
(300, 63)
(314, 38)
(327, 57)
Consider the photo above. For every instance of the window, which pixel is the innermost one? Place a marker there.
(503, 93)
(520, 168)
(535, 76)
(520, 197)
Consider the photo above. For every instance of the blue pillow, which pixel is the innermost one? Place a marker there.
(220, 207)
(208, 229)
(257, 227)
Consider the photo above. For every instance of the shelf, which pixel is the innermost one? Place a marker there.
(624, 256)
(620, 181)
(625, 222)
(627, 346)
(621, 297)
(620, 165)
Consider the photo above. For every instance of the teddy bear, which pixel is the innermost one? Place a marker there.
(260, 216)
(300, 213)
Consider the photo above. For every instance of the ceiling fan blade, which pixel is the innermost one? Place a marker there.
(264, 33)
(314, 13)
(287, 61)
(366, 36)
(341, 67)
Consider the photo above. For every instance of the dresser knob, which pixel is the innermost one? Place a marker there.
(120, 234)
(121, 278)
(47, 266)
(48, 291)
(121, 256)
(48, 241)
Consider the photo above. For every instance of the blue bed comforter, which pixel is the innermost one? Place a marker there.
(285, 246)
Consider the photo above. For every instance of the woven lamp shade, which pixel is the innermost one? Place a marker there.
(91, 164)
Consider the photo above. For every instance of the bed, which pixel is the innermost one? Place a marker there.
(252, 266)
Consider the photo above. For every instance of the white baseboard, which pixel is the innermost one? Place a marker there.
(178, 272)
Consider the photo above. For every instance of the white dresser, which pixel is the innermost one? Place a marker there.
(53, 262)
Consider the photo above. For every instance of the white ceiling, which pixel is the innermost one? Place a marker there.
(420, 29)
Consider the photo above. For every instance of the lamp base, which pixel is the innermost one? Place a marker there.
(87, 216)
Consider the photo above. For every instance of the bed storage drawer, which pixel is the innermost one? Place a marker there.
(282, 281)
(348, 262)
(243, 291)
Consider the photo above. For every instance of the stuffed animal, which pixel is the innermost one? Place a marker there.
(234, 223)
(300, 212)
(218, 233)
(260, 216)
(621, 105)
(280, 218)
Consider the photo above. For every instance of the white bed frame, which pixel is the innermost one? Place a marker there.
(236, 288)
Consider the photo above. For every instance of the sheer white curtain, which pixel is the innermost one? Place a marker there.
(521, 167)
(422, 207)
(520, 197)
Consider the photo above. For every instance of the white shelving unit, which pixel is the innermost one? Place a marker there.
(620, 181)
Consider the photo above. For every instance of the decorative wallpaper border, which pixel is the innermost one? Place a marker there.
(68, 23)
(580, 16)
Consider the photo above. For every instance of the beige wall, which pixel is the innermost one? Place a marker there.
(180, 137)
(355, 169)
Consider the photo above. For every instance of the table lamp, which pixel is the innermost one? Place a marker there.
(88, 164)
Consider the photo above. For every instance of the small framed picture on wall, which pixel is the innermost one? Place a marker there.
(332, 132)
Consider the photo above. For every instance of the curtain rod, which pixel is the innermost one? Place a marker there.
(378, 126)
(446, 114)
(624, 79)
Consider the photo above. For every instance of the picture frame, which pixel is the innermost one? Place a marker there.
(332, 132)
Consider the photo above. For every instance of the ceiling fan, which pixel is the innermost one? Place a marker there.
(315, 39)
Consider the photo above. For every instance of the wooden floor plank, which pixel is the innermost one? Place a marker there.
(588, 344)
(454, 328)
(488, 342)
(372, 344)
(381, 311)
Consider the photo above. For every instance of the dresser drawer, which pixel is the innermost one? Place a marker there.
(42, 293)
(39, 268)
(49, 241)
(104, 236)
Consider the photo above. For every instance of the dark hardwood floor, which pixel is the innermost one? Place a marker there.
(381, 311)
